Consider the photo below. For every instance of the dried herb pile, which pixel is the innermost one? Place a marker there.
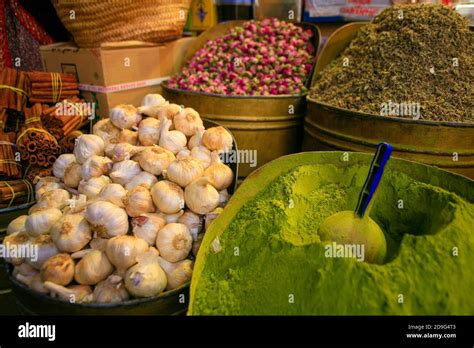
(408, 54)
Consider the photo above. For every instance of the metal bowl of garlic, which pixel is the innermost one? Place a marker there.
(172, 302)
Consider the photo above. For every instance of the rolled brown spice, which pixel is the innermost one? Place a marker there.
(33, 159)
(31, 147)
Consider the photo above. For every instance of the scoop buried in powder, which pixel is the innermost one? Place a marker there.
(356, 228)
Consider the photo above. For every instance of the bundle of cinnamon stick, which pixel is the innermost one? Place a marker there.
(12, 90)
(35, 143)
(15, 192)
(46, 87)
(10, 166)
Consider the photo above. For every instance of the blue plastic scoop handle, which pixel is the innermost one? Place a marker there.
(381, 157)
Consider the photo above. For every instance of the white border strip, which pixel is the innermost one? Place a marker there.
(122, 86)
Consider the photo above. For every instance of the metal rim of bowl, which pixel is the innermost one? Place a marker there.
(392, 118)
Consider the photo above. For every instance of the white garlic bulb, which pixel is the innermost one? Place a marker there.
(123, 251)
(146, 278)
(92, 268)
(95, 166)
(171, 140)
(113, 193)
(138, 201)
(72, 175)
(71, 233)
(41, 221)
(106, 130)
(217, 139)
(146, 227)
(125, 116)
(167, 196)
(78, 293)
(193, 222)
(45, 247)
(170, 218)
(155, 159)
(188, 122)
(17, 225)
(182, 154)
(16, 239)
(123, 172)
(88, 145)
(183, 171)
(107, 219)
(195, 140)
(92, 187)
(153, 99)
(220, 176)
(57, 198)
(45, 184)
(144, 179)
(149, 131)
(178, 273)
(128, 136)
(61, 163)
(110, 290)
(33, 281)
(166, 110)
(124, 151)
(58, 269)
(200, 196)
(211, 216)
(202, 154)
(77, 204)
(174, 242)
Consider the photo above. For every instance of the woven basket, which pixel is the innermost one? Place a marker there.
(93, 22)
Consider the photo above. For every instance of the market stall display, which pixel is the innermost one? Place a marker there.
(283, 268)
(427, 97)
(125, 212)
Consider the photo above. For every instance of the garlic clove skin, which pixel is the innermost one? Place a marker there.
(200, 196)
(195, 140)
(197, 244)
(138, 201)
(188, 122)
(76, 205)
(220, 176)
(41, 221)
(57, 198)
(153, 99)
(92, 187)
(72, 293)
(174, 242)
(171, 140)
(193, 222)
(155, 159)
(24, 269)
(107, 219)
(46, 249)
(144, 179)
(17, 225)
(93, 268)
(178, 273)
(123, 172)
(46, 184)
(33, 282)
(95, 166)
(72, 175)
(217, 139)
(99, 243)
(184, 153)
(128, 136)
(146, 227)
(106, 130)
(183, 172)
(202, 154)
(168, 197)
(122, 251)
(149, 131)
(165, 110)
(146, 278)
(61, 164)
(88, 145)
(71, 233)
(124, 151)
(110, 290)
(125, 116)
(58, 269)
(211, 216)
(16, 239)
(170, 218)
(113, 193)
(224, 197)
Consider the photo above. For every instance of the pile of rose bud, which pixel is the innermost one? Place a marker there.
(125, 212)
(268, 57)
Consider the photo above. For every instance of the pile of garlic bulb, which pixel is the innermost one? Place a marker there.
(124, 215)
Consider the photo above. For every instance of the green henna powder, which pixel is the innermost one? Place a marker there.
(273, 262)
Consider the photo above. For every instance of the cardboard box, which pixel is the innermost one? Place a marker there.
(116, 73)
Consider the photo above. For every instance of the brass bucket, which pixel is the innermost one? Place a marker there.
(448, 145)
(268, 126)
